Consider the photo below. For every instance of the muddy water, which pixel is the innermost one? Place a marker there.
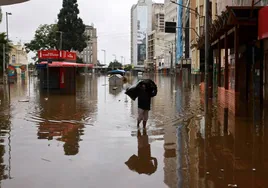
(91, 139)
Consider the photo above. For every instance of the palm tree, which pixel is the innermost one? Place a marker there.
(8, 47)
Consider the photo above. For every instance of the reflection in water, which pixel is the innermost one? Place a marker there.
(184, 148)
(144, 163)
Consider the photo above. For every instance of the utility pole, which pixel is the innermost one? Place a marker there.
(207, 46)
(8, 82)
(114, 60)
(104, 51)
(171, 56)
(4, 61)
(61, 33)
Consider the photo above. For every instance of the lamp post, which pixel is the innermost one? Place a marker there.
(7, 14)
(114, 60)
(104, 59)
(61, 33)
(7, 63)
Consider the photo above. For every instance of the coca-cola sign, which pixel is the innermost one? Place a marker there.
(48, 54)
(57, 55)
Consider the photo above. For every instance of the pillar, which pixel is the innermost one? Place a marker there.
(226, 70)
(219, 64)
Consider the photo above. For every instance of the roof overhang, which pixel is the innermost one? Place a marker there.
(11, 2)
(66, 64)
(233, 15)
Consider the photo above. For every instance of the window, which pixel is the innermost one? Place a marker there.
(201, 10)
(13, 59)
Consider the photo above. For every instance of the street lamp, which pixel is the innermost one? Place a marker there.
(104, 51)
(114, 56)
(60, 38)
(7, 14)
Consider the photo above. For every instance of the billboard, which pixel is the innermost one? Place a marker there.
(142, 23)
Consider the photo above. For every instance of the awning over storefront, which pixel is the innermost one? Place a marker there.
(11, 2)
(263, 23)
(64, 64)
(235, 15)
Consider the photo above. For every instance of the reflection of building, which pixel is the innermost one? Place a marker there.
(90, 53)
(63, 117)
(141, 23)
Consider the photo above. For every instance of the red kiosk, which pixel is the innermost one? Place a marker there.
(58, 71)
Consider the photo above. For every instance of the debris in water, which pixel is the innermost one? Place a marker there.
(114, 88)
(254, 169)
(46, 160)
(222, 170)
(232, 185)
(46, 99)
(207, 173)
(24, 100)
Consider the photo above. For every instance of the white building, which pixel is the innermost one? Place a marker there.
(18, 55)
(156, 43)
(171, 15)
(90, 53)
(141, 24)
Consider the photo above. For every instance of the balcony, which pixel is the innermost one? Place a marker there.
(11, 2)
(221, 4)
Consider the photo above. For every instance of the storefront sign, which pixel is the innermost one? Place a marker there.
(57, 55)
(48, 54)
(263, 26)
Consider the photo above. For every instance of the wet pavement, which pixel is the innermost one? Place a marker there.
(91, 139)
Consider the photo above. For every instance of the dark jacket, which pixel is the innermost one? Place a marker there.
(144, 99)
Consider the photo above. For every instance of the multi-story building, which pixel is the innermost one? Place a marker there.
(156, 37)
(90, 53)
(197, 25)
(141, 24)
(18, 55)
(171, 15)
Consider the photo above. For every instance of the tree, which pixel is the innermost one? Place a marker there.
(115, 65)
(72, 26)
(45, 38)
(128, 67)
(8, 48)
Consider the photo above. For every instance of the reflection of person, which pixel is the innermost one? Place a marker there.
(143, 163)
(144, 105)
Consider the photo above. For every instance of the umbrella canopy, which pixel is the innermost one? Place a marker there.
(116, 72)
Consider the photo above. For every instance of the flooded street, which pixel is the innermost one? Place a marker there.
(91, 139)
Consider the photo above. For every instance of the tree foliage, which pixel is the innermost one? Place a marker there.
(72, 26)
(115, 65)
(8, 48)
(45, 38)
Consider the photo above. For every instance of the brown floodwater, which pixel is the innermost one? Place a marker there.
(91, 139)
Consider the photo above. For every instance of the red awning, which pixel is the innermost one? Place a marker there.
(66, 64)
(263, 24)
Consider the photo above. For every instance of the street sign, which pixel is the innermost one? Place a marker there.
(170, 27)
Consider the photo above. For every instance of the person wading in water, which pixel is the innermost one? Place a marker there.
(144, 105)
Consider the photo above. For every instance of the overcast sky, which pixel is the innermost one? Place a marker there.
(110, 17)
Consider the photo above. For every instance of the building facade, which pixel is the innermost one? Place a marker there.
(141, 25)
(156, 38)
(171, 15)
(90, 53)
(18, 55)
